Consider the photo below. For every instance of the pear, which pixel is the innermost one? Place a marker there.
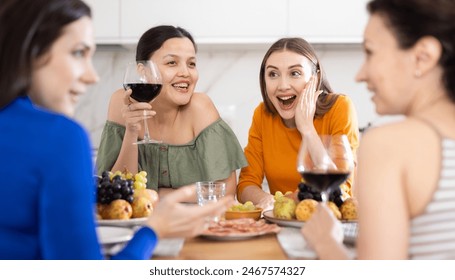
(118, 209)
(284, 208)
(142, 207)
(150, 194)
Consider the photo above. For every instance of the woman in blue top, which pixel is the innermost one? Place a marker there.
(46, 49)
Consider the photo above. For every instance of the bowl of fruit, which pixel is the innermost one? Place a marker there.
(123, 199)
(241, 211)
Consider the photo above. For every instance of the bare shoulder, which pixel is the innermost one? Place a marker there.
(115, 107)
(408, 128)
(406, 136)
(201, 100)
(202, 111)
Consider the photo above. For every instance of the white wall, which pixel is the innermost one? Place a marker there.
(229, 75)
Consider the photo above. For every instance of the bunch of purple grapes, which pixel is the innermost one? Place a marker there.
(308, 192)
(109, 189)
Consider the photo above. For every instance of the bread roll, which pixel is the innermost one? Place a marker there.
(349, 209)
(305, 209)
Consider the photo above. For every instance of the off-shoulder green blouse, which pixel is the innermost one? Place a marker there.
(211, 155)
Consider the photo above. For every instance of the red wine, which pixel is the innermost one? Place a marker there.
(144, 92)
(324, 181)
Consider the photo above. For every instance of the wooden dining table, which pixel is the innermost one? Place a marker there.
(264, 247)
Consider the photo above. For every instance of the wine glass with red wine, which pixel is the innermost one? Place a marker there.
(325, 163)
(144, 79)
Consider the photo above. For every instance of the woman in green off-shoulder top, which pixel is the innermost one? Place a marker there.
(197, 145)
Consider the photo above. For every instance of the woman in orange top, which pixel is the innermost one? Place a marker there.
(298, 104)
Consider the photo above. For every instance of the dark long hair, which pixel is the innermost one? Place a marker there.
(28, 28)
(411, 20)
(302, 47)
(155, 37)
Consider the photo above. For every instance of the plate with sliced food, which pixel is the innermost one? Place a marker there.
(239, 229)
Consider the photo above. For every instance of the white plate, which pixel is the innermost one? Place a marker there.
(293, 243)
(123, 223)
(233, 237)
(349, 227)
(296, 247)
(268, 215)
(240, 229)
(113, 235)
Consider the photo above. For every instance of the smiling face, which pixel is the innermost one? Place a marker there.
(286, 74)
(176, 60)
(387, 69)
(62, 74)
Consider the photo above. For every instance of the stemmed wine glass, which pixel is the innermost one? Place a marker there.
(144, 79)
(325, 163)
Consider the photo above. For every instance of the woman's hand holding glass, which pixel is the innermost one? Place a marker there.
(133, 113)
(143, 79)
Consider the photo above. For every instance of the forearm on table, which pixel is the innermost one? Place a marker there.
(252, 193)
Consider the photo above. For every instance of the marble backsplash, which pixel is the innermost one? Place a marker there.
(229, 75)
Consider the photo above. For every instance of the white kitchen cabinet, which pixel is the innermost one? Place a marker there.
(106, 20)
(328, 21)
(239, 22)
(209, 21)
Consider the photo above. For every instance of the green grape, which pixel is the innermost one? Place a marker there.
(278, 194)
(128, 175)
(248, 206)
(139, 185)
(138, 178)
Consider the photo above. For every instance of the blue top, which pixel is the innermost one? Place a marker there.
(47, 189)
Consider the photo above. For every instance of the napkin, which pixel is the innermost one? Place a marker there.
(295, 246)
(169, 247)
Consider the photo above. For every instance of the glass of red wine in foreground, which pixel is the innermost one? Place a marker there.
(144, 79)
(325, 162)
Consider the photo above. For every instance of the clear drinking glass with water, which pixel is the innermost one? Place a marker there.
(209, 192)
